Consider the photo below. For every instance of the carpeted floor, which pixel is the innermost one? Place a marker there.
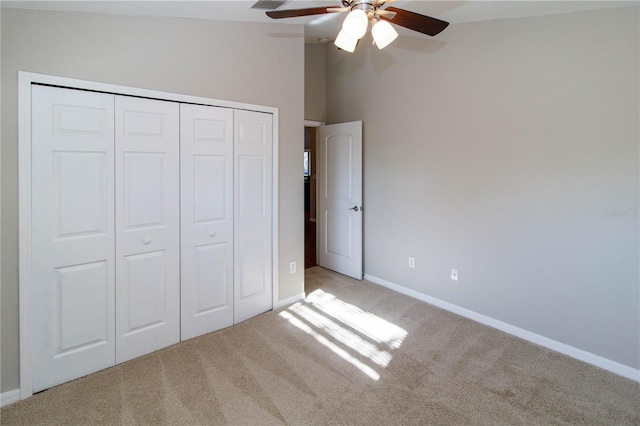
(351, 353)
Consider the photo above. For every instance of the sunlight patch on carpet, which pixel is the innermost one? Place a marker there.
(361, 338)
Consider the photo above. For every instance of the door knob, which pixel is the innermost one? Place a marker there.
(355, 208)
(146, 241)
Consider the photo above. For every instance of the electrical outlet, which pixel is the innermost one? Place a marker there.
(454, 274)
(412, 262)
(292, 267)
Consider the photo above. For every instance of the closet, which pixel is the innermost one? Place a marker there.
(151, 223)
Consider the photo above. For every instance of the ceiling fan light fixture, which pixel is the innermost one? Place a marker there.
(345, 42)
(355, 24)
(383, 34)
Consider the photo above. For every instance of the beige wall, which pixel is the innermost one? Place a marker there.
(315, 88)
(252, 63)
(501, 148)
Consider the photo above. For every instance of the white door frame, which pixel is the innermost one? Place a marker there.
(25, 81)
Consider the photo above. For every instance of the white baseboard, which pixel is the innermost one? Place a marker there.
(289, 301)
(9, 397)
(579, 354)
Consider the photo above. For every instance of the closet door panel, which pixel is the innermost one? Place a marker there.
(147, 226)
(252, 220)
(206, 151)
(72, 234)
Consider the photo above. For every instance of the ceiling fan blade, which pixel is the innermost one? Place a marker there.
(338, 9)
(386, 13)
(416, 22)
(293, 13)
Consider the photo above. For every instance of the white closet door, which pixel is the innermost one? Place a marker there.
(72, 234)
(147, 226)
(253, 136)
(206, 157)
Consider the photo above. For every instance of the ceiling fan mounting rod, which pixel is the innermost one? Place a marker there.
(369, 7)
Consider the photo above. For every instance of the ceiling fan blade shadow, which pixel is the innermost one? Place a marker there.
(416, 22)
(293, 13)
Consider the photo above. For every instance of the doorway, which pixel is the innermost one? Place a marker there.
(309, 197)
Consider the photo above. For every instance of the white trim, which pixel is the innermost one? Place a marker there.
(25, 80)
(134, 91)
(579, 354)
(275, 185)
(9, 397)
(289, 301)
(311, 123)
(24, 232)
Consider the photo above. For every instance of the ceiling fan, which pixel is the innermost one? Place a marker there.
(361, 12)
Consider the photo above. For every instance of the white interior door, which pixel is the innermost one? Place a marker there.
(72, 234)
(206, 157)
(147, 226)
(253, 147)
(339, 200)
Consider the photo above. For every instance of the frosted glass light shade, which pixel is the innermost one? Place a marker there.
(355, 24)
(346, 42)
(383, 34)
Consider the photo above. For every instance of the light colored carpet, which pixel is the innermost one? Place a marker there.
(351, 353)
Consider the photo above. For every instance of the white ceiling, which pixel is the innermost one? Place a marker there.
(320, 26)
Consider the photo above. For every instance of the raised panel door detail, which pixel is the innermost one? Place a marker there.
(252, 132)
(211, 277)
(210, 185)
(144, 190)
(252, 267)
(80, 120)
(251, 186)
(339, 241)
(210, 131)
(80, 180)
(146, 124)
(81, 303)
(145, 285)
(338, 162)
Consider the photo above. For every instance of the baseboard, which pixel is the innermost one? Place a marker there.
(579, 354)
(9, 397)
(289, 301)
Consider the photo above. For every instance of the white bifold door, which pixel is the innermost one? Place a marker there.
(151, 223)
(253, 147)
(72, 234)
(105, 231)
(147, 213)
(206, 153)
(226, 181)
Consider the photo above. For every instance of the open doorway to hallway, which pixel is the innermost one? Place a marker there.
(309, 197)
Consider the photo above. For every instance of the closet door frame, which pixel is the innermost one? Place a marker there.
(25, 81)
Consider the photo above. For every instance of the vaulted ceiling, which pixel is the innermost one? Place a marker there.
(320, 28)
